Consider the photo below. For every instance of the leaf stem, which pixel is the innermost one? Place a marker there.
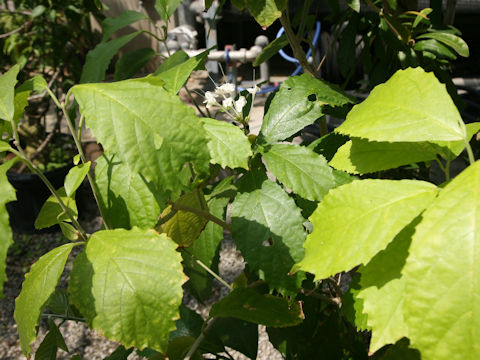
(294, 43)
(202, 213)
(208, 325)
(471, 158)
(78, 144)
(207, 269)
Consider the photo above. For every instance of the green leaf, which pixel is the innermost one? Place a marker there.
(50, 344)
(7, 91)
(38, 10)
(451, 149)
(166, 8)
(69, 231)
(128, 283)
(266, 11)
(360, 156)
(271, 49)
(412, 106)
(291, 110)
(268, 230)
(383, 288)
(39, 284)
(236, 334)
(184, 227)
(354, 4)
(425, 12)
(4, 146)
(206, 249)
(127, 199)
(246, 304)
(131, 63)
(227, 143)
(179, 347)
(51, 213)
(8, 194)
(99, 58)
(176, 72)
(442, 271)
(352, 305)
(75, 178)
(361, 218)
(113, 113)
(172, 61)
(328, 144)
(452, 40)
(127, 17)
(436, 48)
(300, 169)
(22, 93)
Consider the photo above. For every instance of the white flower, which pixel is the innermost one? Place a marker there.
(253, 90)
(240, 103)
(210, 99)
(225, 89)
(227, 103)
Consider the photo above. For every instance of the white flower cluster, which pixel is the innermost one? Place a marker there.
(223, 97)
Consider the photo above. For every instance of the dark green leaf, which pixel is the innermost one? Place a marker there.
(436, 48)
(268, 230)
(120, 353)
(247, 304)
(127, 17)
(166, 8)
(51, 212)
(99, 58)
(131, 63)
(271, 49)
(50, 344)
(127, 198)
(354, 4)
(452, 40)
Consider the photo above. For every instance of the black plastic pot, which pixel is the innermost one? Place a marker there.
(31, 194)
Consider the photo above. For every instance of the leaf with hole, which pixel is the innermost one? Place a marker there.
(412, 106)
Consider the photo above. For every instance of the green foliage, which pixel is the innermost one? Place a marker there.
(50, 344)
(291, 108)
(7, 85)
(412, 106)
(8, 194)
(126, 198)
(75, 178)
(39, 284)
(228, 145)
(361, 218)
(118, 279)
(166, 8)
(267, 228)
(131, 63)
(52, 213)
(111, 25)
(301, 170)
(161, 147)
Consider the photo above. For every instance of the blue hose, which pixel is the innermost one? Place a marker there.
(298, 70)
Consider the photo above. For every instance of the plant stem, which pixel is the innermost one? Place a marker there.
(193, 101)
(202, 213)
(209, 323)
(471, 158)
(80, 151)
(294, 43)
(207, 269)
(64, 317)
